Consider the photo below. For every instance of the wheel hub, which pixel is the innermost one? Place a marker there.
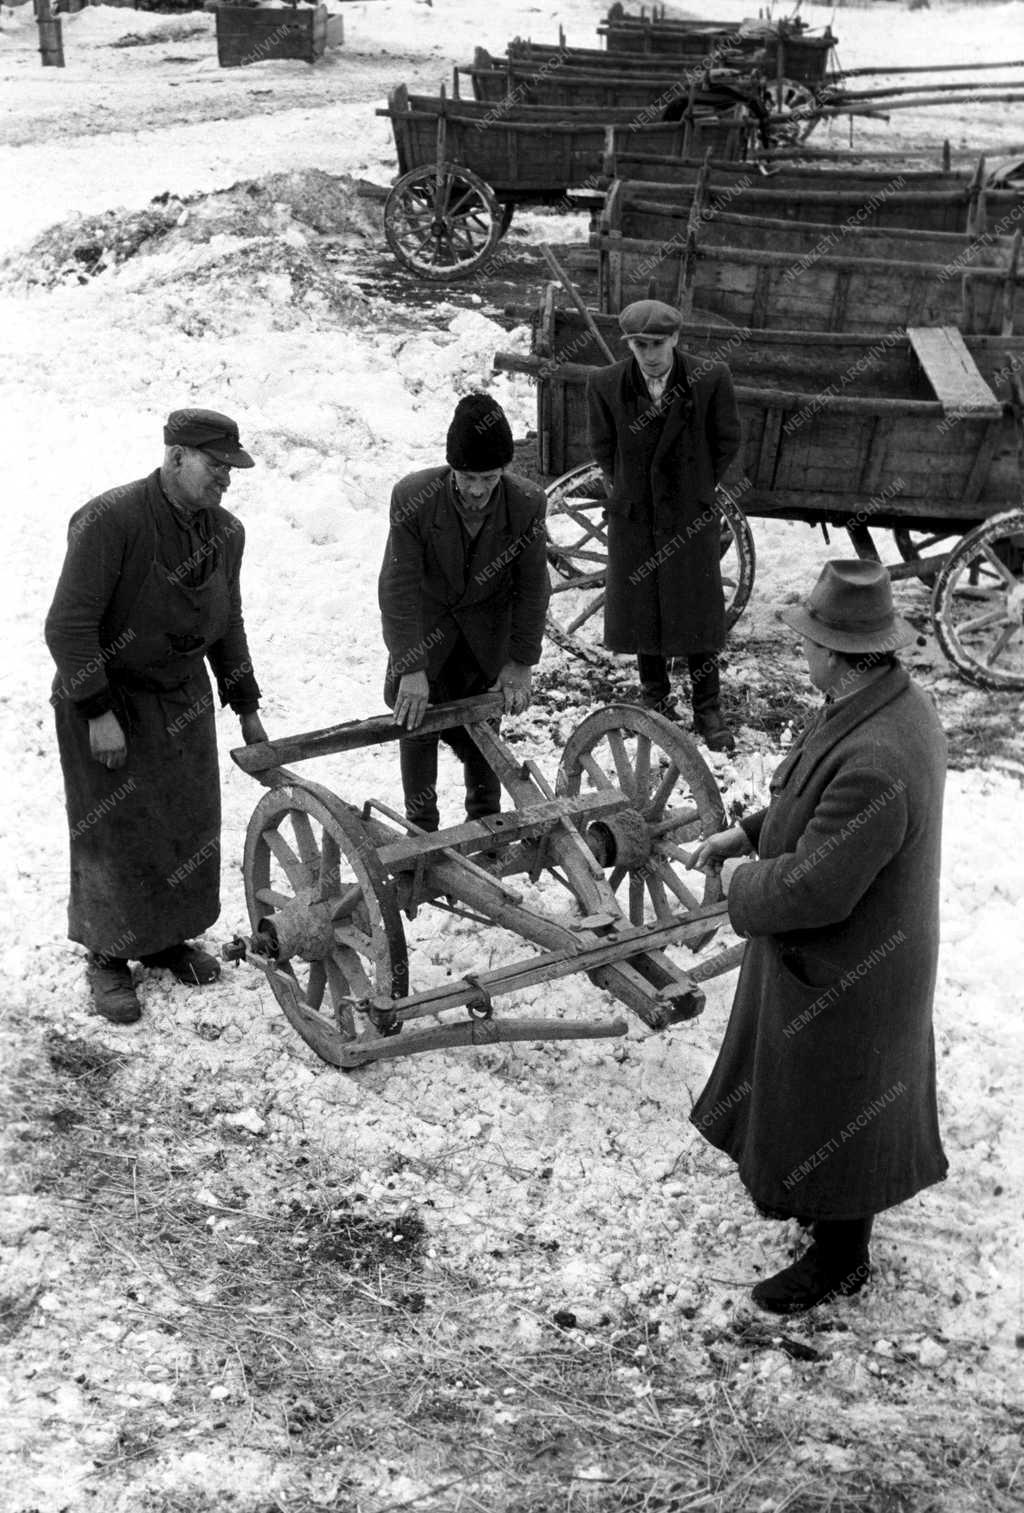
(621, 840)
(304, 928)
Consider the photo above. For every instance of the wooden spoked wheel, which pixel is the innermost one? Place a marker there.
(659, 768)
(795, 102)
(922, 545)
(578, 560)
(978, 603)
(442, 221)
(314, 886)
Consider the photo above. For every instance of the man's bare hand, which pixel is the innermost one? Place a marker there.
(719, 848)
(515, 686)
(106, 740)
(252, 728)
(411, 703)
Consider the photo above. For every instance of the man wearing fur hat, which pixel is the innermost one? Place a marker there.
(463, 593)
(824, 1089)
(664, 429)
(149, 593)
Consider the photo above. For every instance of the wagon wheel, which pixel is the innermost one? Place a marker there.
(795, 103)
(311, 871)
(978, 603)
(578, 555)
(912, 545)
(656, 765)
(442, 220)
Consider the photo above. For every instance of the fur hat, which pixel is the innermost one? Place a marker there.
(479, 437)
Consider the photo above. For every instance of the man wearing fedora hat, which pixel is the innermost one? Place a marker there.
(149, 592)
(824, 1089)
(463, 593)
(664, 429)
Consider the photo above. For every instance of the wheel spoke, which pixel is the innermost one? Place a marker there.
(1000, 567)
(595, 772)
(994, 616)
(679, 888)
(623, 766)
(271, 897)
(659, 898)
(659, 798)
(1000, 645)
(315, 985)
(643, 770)
(636, 898)
(309, 851)
(350, 967)
(587, 614)
(297, 873)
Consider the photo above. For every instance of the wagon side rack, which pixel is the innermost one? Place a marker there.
(327, 882)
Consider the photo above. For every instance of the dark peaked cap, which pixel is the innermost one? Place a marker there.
(208, 431)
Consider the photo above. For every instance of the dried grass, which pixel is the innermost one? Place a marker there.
(313, 1332)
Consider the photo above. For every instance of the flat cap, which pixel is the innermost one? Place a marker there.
(649, 317)
(208, 431)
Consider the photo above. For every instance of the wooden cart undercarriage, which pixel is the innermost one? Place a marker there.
(327, 883)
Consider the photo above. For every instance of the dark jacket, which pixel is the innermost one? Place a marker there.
(93, 635)
(824, 1089)
(432, 586)
(664, 586)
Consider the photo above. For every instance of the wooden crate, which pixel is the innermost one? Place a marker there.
(254, 35)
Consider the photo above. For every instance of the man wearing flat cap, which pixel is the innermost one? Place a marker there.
(148, 594)
(664, 429)
(824, 1089)
(463, 593)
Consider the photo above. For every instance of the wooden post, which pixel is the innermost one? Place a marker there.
(51, 42)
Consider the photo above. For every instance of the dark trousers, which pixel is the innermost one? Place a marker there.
(705, 683)
(459, 678)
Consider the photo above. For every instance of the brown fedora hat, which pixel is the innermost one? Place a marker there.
(851, 609)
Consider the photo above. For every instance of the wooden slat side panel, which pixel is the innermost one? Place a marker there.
(952, 372)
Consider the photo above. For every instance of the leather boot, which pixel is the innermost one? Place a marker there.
(837, 1264)
(705, 693)
(655, 685)
(187, 963)
(112, 989)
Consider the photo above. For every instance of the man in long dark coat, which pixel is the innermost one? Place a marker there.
(463, 594)
(148, 593)
(664, 429)
(824, 1089)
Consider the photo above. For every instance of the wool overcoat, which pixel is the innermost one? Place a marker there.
(430, 590)
(664, 581)
(135, 615)
(824, 1088)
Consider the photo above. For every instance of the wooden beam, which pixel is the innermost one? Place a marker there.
(952, 373)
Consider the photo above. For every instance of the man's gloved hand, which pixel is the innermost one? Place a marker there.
(411, 701)
(106, 740)
(515, 686)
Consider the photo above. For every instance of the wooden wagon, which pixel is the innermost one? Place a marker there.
(661, 94)
(327, 882)
(464, 165)
(792, 275)
(918, 432)
(921, 199)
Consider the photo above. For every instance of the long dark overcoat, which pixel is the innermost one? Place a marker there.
(129, 628)
(824, 1089)
(428, 595)
(664, 582)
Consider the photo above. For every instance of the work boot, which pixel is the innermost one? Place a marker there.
(112, 989)
(837, 1265)
(187, 963)
(709, 726)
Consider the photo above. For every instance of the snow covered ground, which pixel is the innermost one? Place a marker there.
(337, 395)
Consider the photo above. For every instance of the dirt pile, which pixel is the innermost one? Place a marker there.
(302, 213)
